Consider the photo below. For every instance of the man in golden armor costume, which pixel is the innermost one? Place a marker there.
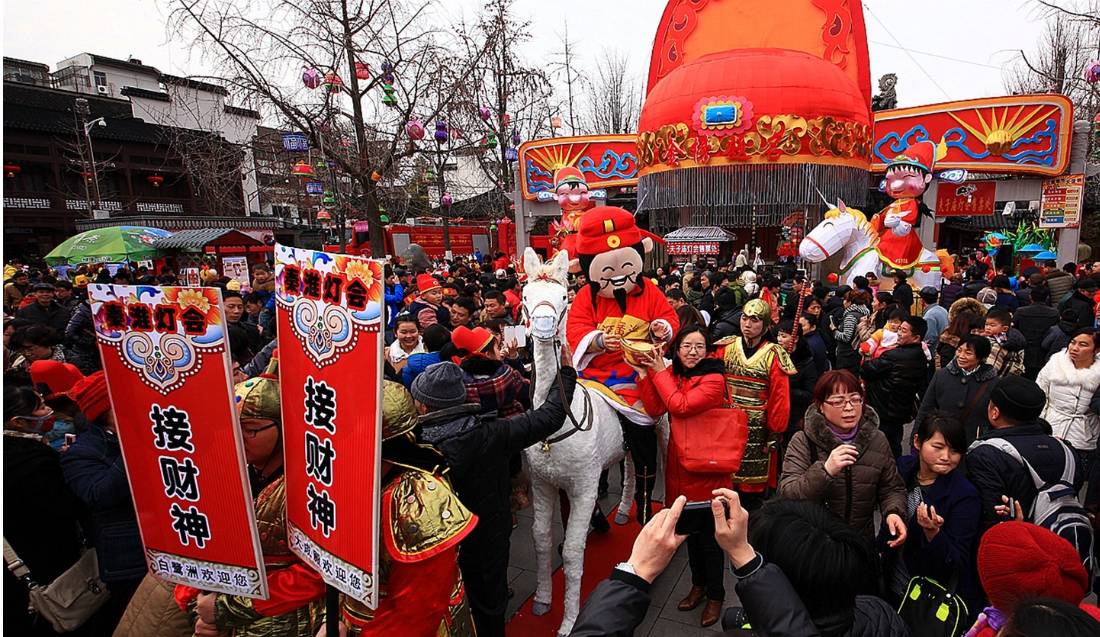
(422, 525)
(295, 606)
(757, 374)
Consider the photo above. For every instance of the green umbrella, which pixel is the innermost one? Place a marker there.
(108, 245)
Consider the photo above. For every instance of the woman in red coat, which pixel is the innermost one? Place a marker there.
(693, 384)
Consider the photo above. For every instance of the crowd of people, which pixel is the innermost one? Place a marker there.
(901, 440)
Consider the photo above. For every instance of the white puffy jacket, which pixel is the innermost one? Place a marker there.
(1069, 391)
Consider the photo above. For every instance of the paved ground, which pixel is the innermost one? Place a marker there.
(663, 617)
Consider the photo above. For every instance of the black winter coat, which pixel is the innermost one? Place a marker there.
(802, 385)
(1056, 339)
(1083, 305)
(40, 522)
(953, 550)
(477, 451)
(729, 324)
(895, 382)
(55, 315)
(95, 472)
(80, 345)
(958, 394)
(995, 473)
(619, 604)
(1034, 321)
(950, 293)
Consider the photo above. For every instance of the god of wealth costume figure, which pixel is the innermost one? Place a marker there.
(620, 309)
(907, 177)
(757, 375)
(422, 524)
(295, 607)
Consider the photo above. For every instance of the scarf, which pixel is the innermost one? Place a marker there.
(841, 435)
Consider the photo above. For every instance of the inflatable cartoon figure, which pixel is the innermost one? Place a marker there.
(572, 194)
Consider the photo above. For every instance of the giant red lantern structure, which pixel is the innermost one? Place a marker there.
(752, 109)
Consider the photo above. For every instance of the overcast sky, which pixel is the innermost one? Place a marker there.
(957, 48)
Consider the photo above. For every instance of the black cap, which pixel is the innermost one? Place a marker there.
(928, 290)
(44, 286)
(1018, 398)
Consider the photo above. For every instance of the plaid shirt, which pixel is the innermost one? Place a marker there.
(499, 394)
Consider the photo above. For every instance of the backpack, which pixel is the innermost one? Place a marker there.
(1056, 507)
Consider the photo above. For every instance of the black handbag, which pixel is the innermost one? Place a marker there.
(931, 610)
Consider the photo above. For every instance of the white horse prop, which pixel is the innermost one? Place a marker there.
(846, 231)
(573, 457)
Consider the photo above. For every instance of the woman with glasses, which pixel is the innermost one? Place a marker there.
(842, 460)
(40, 513)
(692, 384)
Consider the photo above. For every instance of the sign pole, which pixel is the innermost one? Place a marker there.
(332, 611)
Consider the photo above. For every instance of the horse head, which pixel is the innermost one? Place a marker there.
(836, 230)
(545, 297)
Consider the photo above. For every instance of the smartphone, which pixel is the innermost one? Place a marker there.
(697, 518)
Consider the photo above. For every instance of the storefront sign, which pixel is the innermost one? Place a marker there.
(167, 366)
(315, 188)
(972, 198)
(1060, 206)
(681, 248)
(330, 342)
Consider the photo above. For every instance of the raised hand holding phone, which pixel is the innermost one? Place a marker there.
(731, 526)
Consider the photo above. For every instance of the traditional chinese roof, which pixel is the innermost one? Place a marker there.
(699, 233)
(193, 84)
(193, 240)
(47, 110)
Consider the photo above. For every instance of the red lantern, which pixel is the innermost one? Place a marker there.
(362, 71)
(156, 180)
(302, 169)
(11, 170)
(324, 215)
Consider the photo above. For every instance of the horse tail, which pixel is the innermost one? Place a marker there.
(947, 264)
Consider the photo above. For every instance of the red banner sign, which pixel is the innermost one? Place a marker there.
(972, 198)
(330, 314)
(679, 248)
(166, 360)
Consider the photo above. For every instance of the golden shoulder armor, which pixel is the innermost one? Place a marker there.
(423, 517)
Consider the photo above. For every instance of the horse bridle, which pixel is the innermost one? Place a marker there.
(585, 416)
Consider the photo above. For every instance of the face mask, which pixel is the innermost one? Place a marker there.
(39, 424)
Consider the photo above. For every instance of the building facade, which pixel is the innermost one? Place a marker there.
(122, 138)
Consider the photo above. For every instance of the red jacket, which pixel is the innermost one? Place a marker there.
(644, 305)
(679, 396)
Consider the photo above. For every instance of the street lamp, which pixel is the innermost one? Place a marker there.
(83, 110)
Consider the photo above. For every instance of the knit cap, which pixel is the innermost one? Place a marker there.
(1018, 560)
(57, 376)
(90, 394)
(440, 386)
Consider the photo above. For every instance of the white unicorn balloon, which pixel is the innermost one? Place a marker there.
(845, 231)
(578, 452)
